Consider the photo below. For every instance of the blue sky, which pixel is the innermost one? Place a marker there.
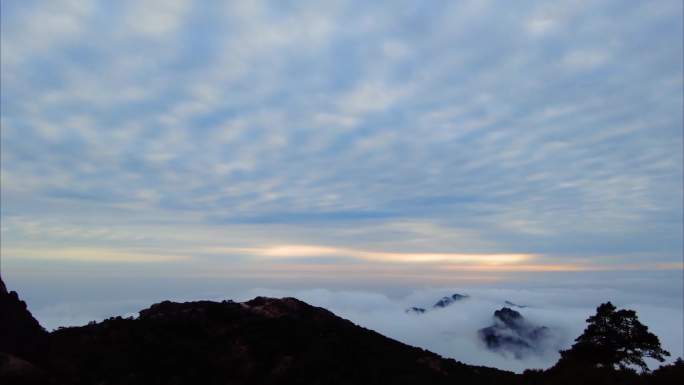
(314, 139)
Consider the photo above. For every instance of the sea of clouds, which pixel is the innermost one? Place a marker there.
(451, 331)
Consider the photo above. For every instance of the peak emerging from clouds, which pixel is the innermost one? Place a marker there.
(447, 301)
(512, 334)
(440, 304)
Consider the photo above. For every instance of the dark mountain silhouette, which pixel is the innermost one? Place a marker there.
(511, 333)
(262, 341)
(22, 340)
(511, 304)
(20, 334)
(446, 301)
(440, 304)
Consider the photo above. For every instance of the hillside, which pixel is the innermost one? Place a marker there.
(262, 341)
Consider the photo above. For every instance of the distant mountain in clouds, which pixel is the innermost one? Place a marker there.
(512, 333)
(416, 310)
(447, 301)
(440, 304)
(511, 304)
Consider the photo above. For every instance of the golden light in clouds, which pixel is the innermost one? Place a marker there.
(446, 262)
(294, 251)
(92, 255)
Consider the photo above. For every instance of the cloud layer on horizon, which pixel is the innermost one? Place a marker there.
(451, 331)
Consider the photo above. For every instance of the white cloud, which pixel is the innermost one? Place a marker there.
(156, 18)
(540, 25)
(394, 49)
(585, 59)
(95, 255)
(452, 331)
(370, 97)
(413, 130)
(42, 29)
(294, 251)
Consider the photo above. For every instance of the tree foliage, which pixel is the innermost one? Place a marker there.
(615, 339)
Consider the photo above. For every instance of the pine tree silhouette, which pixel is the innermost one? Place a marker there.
(615, 339)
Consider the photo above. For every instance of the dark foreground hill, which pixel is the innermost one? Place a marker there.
(262, 341)
(20, 333)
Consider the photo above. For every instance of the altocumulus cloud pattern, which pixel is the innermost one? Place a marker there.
(539, 136)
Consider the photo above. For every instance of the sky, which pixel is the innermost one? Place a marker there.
(156, 149)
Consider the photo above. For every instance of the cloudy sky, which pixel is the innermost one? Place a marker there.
(156, 149)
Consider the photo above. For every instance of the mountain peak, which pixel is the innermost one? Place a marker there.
(508, 316)
(448, 300)
(20, 334)
(513, 304)
(263, 340)
(278, 307)
(415, 310)
(512, 333)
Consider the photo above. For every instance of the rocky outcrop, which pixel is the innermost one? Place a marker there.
(20, 334)
(440, 304)
(511, 304)
(511, 333)
(415, 310)
(447, 301)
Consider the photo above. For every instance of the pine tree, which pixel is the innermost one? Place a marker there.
(615, 339)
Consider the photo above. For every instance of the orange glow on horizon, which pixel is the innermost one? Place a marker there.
(294, 251)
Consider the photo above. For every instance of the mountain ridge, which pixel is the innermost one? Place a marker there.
(260, 341)
(512, 333)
